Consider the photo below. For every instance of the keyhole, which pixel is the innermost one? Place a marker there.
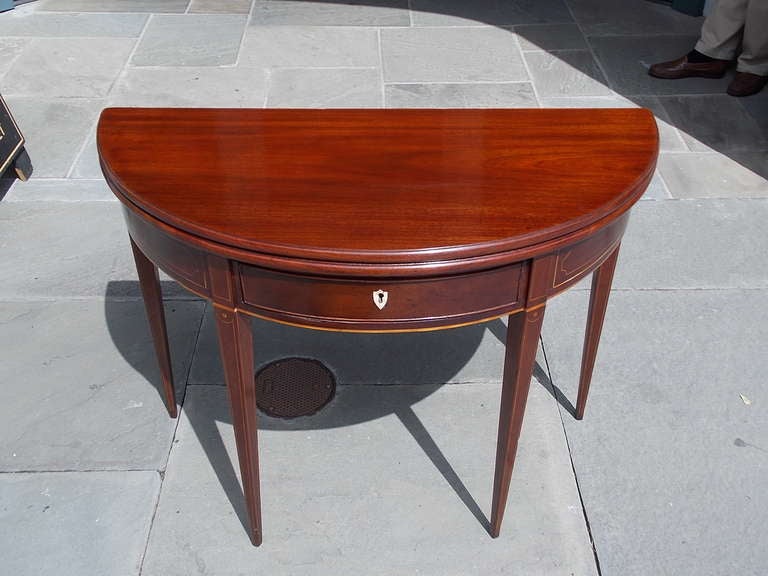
(380, 299)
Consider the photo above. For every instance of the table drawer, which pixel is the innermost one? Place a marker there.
(381, 305)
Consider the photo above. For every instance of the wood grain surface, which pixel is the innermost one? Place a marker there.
(378, 185)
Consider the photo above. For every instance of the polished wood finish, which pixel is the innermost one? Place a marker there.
(236, 349)
(522, 341)
(350, 185)
(378, 220)
(598, 302)
(322, 301)
(153, 303)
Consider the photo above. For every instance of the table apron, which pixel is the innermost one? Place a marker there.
(371, 304)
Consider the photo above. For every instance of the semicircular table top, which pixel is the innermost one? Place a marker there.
(368, 186)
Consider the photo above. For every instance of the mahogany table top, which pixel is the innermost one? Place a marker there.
(378, 186)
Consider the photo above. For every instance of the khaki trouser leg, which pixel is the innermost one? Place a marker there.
(733, 24)
(754, 51)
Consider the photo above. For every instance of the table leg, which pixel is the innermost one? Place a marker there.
(598, 302)
(522, 341)
(153, 303)
(236, 348)
(22, 165)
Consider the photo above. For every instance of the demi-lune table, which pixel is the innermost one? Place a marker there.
(376, 221)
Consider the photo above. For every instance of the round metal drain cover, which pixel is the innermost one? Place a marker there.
(294, 387)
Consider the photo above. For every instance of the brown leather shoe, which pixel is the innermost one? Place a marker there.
(681, 68)
(746, 84)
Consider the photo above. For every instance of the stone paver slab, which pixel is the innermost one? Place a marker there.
(509, 95)
(705, 243)
(86, 394)
(10, 49)
(631, 17)
(72, 25)
(566, 73)
(190, 86)
(89, 524)
(156, 6)
(220, 7)
(59, 190)
(68, 67)
(671, 454)
(311, 47)
(54, 130)
(757, 107)
(657, 189)
(714, 175)
(342, 13)
(67, 250)
(325, 88)
(717, 122)
(607, 101)
(550, 37)
(329, 507)
(190, 40)
(670, 138)
(451, 55)
(87, 163)
(493, 12)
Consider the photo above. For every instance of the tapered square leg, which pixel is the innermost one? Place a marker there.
(236, 348)
(598, 303)
(153, 303)
(522, 341)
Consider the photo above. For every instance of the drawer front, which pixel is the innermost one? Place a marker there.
(385, 305)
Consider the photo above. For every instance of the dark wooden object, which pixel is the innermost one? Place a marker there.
(377, 220)
(12, 152)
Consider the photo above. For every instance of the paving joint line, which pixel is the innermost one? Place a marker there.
(381, 65)
(607, 81)
(162, 473)
(528, 73)
(242, 36)
(581, 501)
(83, 470)
(570, 458)
(468, 82)
(151, 522)
(127, 65)
(105, 97)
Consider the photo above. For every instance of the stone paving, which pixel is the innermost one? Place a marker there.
(665, 475)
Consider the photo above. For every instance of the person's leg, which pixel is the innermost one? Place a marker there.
(722, 30)
(754, 52)
(752, 65)
(716, 48)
